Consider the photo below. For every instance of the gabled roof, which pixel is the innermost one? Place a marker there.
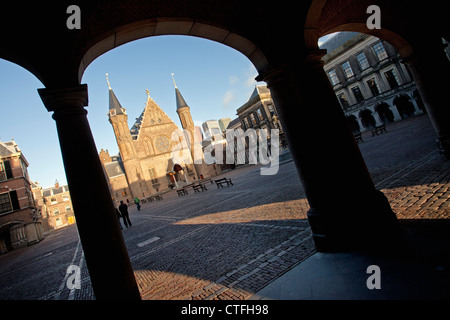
(6, 150)
(10, 148)
(114, 169)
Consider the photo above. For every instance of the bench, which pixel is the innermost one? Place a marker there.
(204, 181)
(379, 130)
(182, 192)
(199, 187)
(156, 197)
(358, 138)
(221, 182)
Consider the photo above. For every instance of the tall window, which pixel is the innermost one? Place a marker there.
(152, 173)
(5, 203)
(271, 110)
(357, 93)
(347, 69)
(259, 114)
(5, 170)
(343, 100)
(252, 119)
(24, 170)
(373, 86)
(333, 77)
(362, 60)
(391, 77)
(380, 51)
(246, 124)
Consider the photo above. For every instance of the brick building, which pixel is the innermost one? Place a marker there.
(56, 206)
(20, 221)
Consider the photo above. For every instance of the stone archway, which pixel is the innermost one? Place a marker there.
(404, 106)
(354, 125)
(172, 26)
(367, 119)
(43, 45)
(384, 112)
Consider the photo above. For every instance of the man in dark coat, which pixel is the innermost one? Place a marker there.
(123, 208)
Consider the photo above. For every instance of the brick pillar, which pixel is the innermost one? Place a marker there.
(103, 245)
(346, 209)
(430, 69)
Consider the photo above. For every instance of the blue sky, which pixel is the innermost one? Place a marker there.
(214, 80)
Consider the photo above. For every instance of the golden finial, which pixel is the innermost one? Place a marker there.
(107, 80)
(148, 93)
(174, 81)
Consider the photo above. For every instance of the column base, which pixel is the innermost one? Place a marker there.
(366, 225)
(443, 145)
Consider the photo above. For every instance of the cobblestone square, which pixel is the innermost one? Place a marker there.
(229, 243)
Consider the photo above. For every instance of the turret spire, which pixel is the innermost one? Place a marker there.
(114, 103)
(180, 100)
(174, 83)
(107, 80)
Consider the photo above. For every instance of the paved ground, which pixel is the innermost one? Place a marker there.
(231, 243)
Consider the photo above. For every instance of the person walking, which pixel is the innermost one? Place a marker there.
(123, 208)
(136, 201)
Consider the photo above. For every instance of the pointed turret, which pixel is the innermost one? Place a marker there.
(115, 107)
(181, 103)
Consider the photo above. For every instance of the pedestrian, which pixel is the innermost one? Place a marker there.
(123, 208)
(136, 200)
(118, 217)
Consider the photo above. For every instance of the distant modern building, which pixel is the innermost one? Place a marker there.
(20, 221)
(223, 124)
(211, 128)
(259, 111)
(369, 80)
(259, 114)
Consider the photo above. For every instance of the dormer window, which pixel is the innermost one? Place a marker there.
(112, 112)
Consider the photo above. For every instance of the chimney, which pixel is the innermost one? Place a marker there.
(56, 184)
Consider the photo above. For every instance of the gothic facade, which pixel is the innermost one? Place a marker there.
(146, 164)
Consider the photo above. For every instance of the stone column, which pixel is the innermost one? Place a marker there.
(397, 116)
(430, 68)
(376, 116)
(345, 208)
(106, 255)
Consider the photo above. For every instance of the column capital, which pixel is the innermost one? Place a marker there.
(60, 100)
(315, 56)
(311, 60)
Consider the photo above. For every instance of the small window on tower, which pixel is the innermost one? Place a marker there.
(112, 112)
